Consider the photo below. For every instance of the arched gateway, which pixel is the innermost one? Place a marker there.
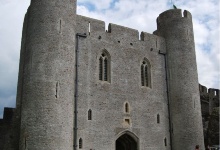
(127, 141)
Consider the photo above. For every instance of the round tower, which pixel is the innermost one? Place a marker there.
(48, 75)
(185, 108)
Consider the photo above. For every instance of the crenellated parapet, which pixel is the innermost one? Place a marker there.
(119, 35)
(172, 17)
(211, 92)
(209, 99)
(203, 90)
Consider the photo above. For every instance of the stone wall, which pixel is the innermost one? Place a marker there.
(210, 114)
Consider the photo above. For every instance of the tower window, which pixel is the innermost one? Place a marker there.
(165, 141)
(80, 143)
(90, 114)
(104, 67)
(158, 118)
(126, 108)
(100, 68)
(145, 74)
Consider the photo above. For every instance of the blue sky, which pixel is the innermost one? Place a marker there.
(137, 14)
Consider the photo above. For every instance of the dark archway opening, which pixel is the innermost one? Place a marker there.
(126, 142)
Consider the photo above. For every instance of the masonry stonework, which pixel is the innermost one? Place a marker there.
(59, 83)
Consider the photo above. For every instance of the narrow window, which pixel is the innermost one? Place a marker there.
(145, 73)
(158, 118)
(90, 114)
(146, 76)
(104, 67)
(100, 68)
(165, 141)
(126, 108)
(57, 85)
(142, 75)
(80, 143)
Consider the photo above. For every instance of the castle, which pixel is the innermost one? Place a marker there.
(81, 87)
(210, 114)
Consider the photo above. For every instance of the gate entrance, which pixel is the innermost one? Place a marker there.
(126, 142)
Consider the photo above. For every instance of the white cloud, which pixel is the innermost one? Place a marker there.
(99, 4)
(137, 14)
(141, 15)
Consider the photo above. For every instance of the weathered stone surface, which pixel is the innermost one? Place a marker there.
(210, 105)
(213, 127)
(165, 111)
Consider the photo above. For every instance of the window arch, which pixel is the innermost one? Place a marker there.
(104, 66)
(145, 73)
(80, 143)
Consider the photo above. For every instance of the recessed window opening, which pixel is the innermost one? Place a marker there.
(90, 114)
(126, 108)
(119, 41)
(158, 118)
(80, 143)
(145, 74)
(131, 44)
(151, 49)
(104, 67)
(100, 68)
(165, 141)
(56, 94)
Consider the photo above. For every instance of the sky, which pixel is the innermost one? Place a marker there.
(136, 14)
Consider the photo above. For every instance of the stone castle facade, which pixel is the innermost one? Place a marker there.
(210, 114)
(81, 87)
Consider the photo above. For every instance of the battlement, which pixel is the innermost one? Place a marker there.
(8, 114)
(96, 28)
(211, 92)
(172, 17)
(173, 14)
(202, 89)
(122, 31)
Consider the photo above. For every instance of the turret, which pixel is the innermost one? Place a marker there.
(185, 107)
(47, 81)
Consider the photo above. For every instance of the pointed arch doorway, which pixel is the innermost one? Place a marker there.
(127, 142)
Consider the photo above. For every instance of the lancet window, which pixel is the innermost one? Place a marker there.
(145, 73)
(104, 67)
